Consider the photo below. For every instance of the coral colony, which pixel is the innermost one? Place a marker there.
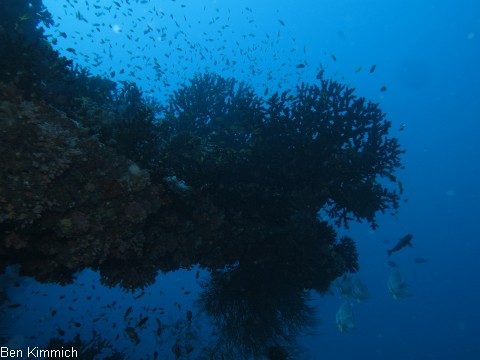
(97, 175)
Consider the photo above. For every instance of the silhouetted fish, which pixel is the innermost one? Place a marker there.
(405, 241)
(420, 260)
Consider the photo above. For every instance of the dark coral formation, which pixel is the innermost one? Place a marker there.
(255, 310)
(100, 177)
(70, 202)
(318, 146)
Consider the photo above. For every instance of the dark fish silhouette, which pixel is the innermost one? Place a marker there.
(141, 322)
(132, 334)
(405, 241)
(420, 260)
(320, 73)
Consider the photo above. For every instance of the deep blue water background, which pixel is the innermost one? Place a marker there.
(428, 55)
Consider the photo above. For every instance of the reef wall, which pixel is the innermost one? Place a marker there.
(95, 175)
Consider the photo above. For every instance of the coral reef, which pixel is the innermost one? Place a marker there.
(99, 177)
(70, 202)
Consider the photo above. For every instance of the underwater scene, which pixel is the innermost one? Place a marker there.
(221, 179)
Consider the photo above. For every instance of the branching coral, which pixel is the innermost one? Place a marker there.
(253, 314)
(315, 146)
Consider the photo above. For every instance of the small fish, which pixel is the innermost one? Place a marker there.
(358, 69)
(71, 50)
(320, 74)
(400, 187)
(142, 322)
(392, 263)
(405, 241)
(402, 127)
(127, 312)
(132, 334)
(420, 260)
(334, 57)
(372, 69)
(300, 66)
(281, 22)
(159, 327)
(14, 306)
(383, 88)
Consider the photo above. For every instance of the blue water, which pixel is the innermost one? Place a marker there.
(427, 54)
